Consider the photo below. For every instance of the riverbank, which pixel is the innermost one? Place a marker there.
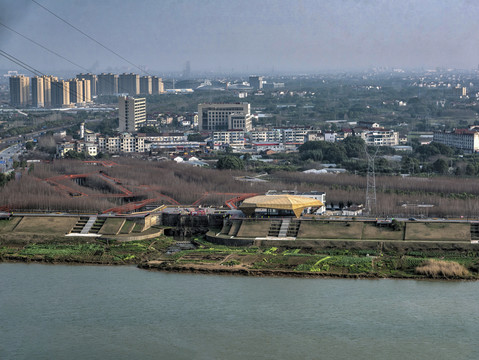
(201, 256)
(73, 250)
(315, 262)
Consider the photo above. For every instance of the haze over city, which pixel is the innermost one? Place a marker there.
(243, 36)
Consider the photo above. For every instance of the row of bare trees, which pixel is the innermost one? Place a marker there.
(186, 184)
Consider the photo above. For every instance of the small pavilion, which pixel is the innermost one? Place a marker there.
(279, 204)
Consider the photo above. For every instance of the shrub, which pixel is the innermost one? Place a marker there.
(397, 225)
(231, 263)
(442, 269)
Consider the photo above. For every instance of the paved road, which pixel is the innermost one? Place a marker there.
(9, 155)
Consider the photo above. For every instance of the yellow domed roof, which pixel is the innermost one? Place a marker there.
(280, 202)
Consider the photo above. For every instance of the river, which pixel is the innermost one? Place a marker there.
(101, 312)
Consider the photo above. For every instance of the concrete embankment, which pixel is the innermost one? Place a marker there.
(341, 234)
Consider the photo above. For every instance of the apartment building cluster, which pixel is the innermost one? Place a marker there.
(50, 92)
(275, 138)
(92, 143)
(282, 138)
(228, 125)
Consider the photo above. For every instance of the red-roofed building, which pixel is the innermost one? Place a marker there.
(465, 139)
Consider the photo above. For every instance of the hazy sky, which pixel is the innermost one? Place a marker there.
(249, 36)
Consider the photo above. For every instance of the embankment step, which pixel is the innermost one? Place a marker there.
(274, 228)
(283, 230)
(89, 225)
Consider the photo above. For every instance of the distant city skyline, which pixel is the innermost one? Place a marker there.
(190, 37)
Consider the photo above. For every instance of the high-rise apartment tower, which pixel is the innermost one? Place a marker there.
(129, 83)
(93, 82)
(107, 84)
(38, 92)
(19, 90)
(131, 113)
(60, 94)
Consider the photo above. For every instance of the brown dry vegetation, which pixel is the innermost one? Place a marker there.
(186, 184)
(442, 269)
(450, 196)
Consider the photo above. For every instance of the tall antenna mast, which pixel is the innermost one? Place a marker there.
(371, 182)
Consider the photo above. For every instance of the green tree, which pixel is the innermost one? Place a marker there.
(29, 145)
(195, 137)
(335, 154)
(315, 155)
(230, 162)
(354, 146)
(471, 169)
(148, 130)
(409, 165)
(71, 154)
(440, 166)
(102, 155)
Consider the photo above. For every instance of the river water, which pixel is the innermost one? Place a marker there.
(99, 312)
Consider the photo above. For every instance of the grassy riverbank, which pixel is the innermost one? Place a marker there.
(212, 258)
(79, 250)
(255, 261)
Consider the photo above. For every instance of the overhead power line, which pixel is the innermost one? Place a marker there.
(89, 37)
(47, 49)
(21, 63)
(44, 47)
(32, 69)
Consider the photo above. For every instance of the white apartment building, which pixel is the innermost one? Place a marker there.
(125, 143)
(91, 149)
(167, 138)
(330, 136)
(273, 146)
(465, 139)
(213, 117)
(296, 136)
(131, 113)
(109, 144)
(381, 137)
(233, 138)
(287, 136)
(131, 143)
(262, 136)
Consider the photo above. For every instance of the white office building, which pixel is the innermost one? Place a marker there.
(235, 116)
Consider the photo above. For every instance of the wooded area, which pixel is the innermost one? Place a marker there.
(97, 188)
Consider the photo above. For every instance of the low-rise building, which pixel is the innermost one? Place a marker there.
(273, 146)
(273, 135)
(330, 136)
(317, 195)
(381, 137)
(65, 147)
(294, 136)
(233, 138)
(466, 140)
(167, 137)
